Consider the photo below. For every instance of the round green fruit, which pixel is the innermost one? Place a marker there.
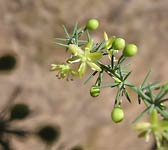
(117, 114)
(130, 50)
(118, 44)
(19, 112)
(94, 91)
(92, 24)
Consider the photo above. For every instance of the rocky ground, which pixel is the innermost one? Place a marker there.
(27, 31)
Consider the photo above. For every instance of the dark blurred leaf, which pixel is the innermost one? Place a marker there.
(7, 62)
(5, 145)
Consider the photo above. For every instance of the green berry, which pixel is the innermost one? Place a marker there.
(49, 134)
(92, 24)
(117, 114)
(94, 91)
(19, 112)
(118, 44)
(130, 50)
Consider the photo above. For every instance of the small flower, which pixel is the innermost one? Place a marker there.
(85, 57)
(108, 41)
(157, 128)
(108, 45)
(64, 70)
(145, 129)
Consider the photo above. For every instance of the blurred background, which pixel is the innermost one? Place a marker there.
(27, 32)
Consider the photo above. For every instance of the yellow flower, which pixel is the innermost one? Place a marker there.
(64, 70)
(108, 41)
(108, 45)
(85, 57)
(154, 126)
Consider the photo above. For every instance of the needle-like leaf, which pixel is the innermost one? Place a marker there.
(163, 113)
(127, 75)
(127, 96)
(62, 39)
(61, 44)
(148, 109)
(146, 79)
(109, 85)
(66, 32)
(88, 35)
(75, 30)
(90, 77)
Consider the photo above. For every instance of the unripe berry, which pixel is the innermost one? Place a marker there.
(94, 91)
(92, 24)
(117, 114)
(118, 44)
(130, 50)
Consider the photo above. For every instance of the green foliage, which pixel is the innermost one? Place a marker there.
(86, 52)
